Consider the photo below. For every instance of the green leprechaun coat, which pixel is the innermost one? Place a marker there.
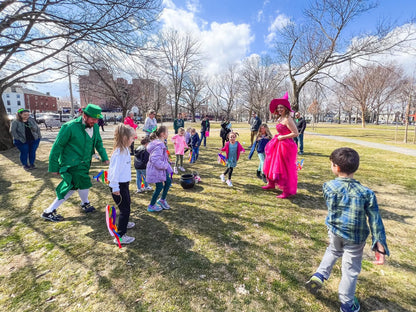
(71, 155)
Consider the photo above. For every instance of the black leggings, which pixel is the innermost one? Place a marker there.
(123, 203)
(229, 170)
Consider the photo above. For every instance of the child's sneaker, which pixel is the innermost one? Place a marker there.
(140, 190)
(52, 216)
(315, 283)
(222, 177)
(125, 240)
(175, 170)
(163, 203)
(148, 188)
(355, 307)
(87, 207)
(229, 183)
(154, 208)
(182, 169)
(130, 225)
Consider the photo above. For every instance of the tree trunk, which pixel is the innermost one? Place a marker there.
(6, 140)
(362, 118)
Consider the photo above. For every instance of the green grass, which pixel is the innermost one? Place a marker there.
(386, 134)
(218, 249)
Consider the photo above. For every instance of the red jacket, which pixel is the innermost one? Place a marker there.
(130, 122)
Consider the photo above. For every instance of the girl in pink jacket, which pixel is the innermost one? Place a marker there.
(180, 145)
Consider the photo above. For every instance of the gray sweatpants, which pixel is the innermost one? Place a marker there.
(352, 255)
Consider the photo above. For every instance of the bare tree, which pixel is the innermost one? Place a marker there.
(35, 37)
(225, 88)
(194, 93)
(311, 49)
(260, 83)
(371, 87)
(179, 58)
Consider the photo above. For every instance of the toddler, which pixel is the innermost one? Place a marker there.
(194, 145)
(141, 157)
(180, 144)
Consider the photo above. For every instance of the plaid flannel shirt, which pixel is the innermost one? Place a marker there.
(349, 205)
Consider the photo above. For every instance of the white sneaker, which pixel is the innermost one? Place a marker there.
(125, 240)
(182, 169)
(148, 188)
(222, 177)
(229, 183)
(140, 190)
(175, 170)
(130, 225)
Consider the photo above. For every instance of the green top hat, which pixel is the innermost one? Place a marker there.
(93, 111)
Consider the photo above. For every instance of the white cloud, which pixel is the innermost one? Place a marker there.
(193, 6)
(221, 44)
(260, 15)
(277, 24)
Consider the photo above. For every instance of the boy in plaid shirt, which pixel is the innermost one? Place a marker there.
(349, 205)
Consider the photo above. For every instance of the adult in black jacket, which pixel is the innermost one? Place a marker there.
(205, 126)
(225, 129)
(301, 125)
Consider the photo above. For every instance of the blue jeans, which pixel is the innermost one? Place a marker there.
(159, 187)
(203, 137)
(352, 255)
(299, 142)
(261, 157)
(141, 175)
(27, 149)
(195, 154)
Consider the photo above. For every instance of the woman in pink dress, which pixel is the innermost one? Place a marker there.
(280, 162)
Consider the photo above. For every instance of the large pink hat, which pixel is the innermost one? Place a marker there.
(282, 101)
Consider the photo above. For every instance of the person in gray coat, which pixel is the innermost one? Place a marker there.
(26, 137)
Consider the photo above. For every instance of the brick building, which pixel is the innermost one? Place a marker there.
(17, 97)
(141, 93)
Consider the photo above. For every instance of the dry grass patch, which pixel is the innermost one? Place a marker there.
(218, 249)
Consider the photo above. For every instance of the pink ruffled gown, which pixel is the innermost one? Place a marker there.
(280, 162)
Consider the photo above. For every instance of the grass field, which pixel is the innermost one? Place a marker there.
(386, 134)
(218, 249)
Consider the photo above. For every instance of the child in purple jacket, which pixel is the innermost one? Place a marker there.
(158, 170)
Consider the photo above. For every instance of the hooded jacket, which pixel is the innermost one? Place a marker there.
(158, 164)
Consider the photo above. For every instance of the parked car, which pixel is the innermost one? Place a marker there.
(51, 120)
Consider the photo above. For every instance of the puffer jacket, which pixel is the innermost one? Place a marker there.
(158, 164)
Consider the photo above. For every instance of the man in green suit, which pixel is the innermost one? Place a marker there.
(70, 157)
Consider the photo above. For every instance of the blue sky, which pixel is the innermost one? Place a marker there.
(231, 30)
(260, 15)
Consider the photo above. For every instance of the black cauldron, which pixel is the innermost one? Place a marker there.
(187, 181)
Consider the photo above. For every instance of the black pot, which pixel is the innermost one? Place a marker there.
(187, 181)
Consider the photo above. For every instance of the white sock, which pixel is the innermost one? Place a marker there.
(83, 194)
(57, 202)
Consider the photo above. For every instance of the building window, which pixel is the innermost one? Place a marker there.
(18, 96)
(8, 102)
(7, 95)
(13, 89)
(9, 110)
(18, 103)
